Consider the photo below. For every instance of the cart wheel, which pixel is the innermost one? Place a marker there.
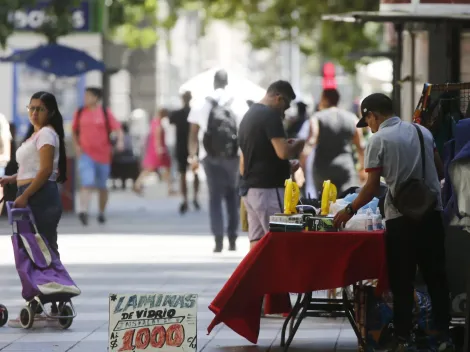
(3, 315)
(65, 323)
(26, 317)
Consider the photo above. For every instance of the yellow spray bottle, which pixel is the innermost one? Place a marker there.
(329, 195)
(291, 196)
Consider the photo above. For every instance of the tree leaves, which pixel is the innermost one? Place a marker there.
(273, 21)
(269, 22)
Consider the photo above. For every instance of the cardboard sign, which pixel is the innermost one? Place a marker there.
(153, 322)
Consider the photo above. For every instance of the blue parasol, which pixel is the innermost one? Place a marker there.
(56, 59)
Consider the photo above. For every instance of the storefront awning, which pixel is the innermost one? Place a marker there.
(395, 17)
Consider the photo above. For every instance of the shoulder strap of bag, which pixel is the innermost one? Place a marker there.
(279, 201)
(423, 153)
(106, 120)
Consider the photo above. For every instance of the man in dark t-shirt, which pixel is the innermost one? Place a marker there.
(179, 118)
(264, 162)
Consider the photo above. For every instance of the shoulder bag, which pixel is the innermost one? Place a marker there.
(413, 198)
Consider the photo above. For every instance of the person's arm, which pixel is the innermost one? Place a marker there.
(196, 117)
(369, 190)
(311, 141)
(285, 148)
(75, 137)
(158, 139)
(46, 146)
(6, 137)
(193, 142)
(116, 128)
(242, 164)
(373, 167)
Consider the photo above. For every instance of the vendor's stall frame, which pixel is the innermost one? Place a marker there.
(400, 20)
(351, 305)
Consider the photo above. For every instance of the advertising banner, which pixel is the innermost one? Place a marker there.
(30, 19)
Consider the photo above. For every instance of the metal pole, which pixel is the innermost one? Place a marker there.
(105, 82)
(413, 70)
(397, 69)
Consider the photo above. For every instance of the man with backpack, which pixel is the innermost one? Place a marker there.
(95, 132)
(214, 128)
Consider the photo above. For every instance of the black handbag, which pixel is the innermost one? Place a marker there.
(413, 198)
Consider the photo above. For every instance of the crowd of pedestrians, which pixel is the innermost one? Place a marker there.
(247, 150)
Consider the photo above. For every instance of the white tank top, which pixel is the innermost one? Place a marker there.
(27, 155)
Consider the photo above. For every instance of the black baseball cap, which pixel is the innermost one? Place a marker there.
(374, 102)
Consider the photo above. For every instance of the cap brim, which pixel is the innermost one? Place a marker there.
(362, 123)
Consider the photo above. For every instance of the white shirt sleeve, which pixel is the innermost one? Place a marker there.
(239, 108)
(46, 136)
(199, 115)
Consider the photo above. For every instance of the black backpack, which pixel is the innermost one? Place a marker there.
(111, 138)
(220, 139)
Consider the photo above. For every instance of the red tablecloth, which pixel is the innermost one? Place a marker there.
(299, 262)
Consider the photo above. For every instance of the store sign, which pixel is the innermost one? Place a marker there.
(30, 19)
(153, 322)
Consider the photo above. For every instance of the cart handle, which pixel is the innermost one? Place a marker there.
(15, 214)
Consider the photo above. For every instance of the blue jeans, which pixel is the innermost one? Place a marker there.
(47, 210)
(92, 173)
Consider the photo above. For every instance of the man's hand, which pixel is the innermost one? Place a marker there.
(193, 163)
(299, 177)
(120, 145)
(194, 166)
(78, 150)
(294, 166)
(297, 144)
(341, 218)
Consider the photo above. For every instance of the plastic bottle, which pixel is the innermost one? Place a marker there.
(378, 220)
(370, 220)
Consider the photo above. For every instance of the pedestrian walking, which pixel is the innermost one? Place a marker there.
(213, 141)
(179, 118)
(95, 130)
(156, 156)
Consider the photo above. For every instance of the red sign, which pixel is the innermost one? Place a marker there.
(329, 73)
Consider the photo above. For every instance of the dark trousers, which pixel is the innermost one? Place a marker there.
(222, 182)
(410, 244)
(47, 211)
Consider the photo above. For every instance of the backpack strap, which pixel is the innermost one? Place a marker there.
(106, 121)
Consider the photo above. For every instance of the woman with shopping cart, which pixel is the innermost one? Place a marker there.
(42, 164)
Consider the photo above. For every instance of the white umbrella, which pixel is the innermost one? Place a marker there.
(202, 85)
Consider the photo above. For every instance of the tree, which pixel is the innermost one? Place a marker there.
(273, 21)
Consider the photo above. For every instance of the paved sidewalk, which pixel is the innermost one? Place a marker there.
(148, 247)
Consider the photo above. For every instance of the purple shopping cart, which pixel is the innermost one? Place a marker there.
(43, 277)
